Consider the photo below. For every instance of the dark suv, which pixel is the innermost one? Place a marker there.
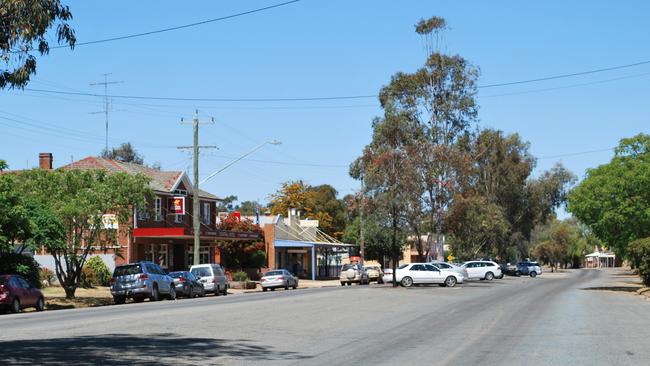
(141, 280)
(527, 268)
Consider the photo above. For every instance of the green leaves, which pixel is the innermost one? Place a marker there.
(614, 199)
(24, 24)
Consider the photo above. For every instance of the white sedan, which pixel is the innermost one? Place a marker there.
(426, 273)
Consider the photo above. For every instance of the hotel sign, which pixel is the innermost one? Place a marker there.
(177, 206)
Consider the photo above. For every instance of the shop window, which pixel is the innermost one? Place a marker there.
(204, 255)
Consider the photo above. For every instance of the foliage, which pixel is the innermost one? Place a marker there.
(563, 243)
(24, 28)
(249, 208)
(46, 275)
(15, 224)
(240, 254)
(88, 278)
(613, 199)
(26, 266)
(240, 276)
(101, 274)
(640, 253)
(3, 165)
(70, 226)
(227, 204)
(315, 202)
(125, 153)
(477, 226)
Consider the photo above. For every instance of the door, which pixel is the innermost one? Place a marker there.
(472, 270)
(179, 258)
(27, 297)
(418, 273)
(435, 275)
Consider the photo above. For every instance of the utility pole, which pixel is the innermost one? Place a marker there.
(105, 83)
(196, 224)
(362, 248)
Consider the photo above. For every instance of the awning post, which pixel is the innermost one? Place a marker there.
(313, 262)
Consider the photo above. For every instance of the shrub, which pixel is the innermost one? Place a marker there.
(640, 255)
(46, 275)
(88, 278)
(102, 275)
(26, 266)
(240, 276)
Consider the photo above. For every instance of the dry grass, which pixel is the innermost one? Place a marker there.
(84, 297)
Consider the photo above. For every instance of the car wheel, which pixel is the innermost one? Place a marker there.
(450, 281)
(533, 274)
(225, 291)
(172, 293)
(217, 292)
(155, 295)
(295, 285)
(190, 293)
(407, 282)
(264, 289)
(118, 300)
(135, 299)
(517, 273)
(40, 304)
(489, 276)
(342, 283)
(272, 288)
(15, 306)
(286, 287)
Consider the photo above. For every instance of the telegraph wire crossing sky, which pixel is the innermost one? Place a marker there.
(307, 73)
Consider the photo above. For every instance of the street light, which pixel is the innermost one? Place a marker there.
(272, 142)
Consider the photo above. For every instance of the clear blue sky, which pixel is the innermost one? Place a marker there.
(326, 48)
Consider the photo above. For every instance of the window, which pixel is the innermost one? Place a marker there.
(443, 265)
(205, 213)
(143, 214)
(431, 267)
(157, 209)
(22, 282)
(417, 267)
(178, 219)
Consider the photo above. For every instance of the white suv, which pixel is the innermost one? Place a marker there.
(484, 270)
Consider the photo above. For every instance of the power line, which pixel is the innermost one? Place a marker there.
(565, 75)
(336, 97)
(179, 26)
(575, 153)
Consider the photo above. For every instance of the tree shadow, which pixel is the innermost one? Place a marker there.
(614, 288)
(122, 349)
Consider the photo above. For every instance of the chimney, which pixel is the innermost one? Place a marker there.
(45, 161)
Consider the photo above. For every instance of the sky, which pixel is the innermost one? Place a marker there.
(319, 48)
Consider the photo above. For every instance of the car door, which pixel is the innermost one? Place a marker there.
(27, 297)
(416, 272)
(433, 274)
(472, 272)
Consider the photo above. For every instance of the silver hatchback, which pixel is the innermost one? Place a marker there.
(280, 278)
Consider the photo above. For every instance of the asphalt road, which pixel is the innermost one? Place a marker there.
(549, 320)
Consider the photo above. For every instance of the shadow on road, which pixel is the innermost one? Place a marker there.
(614, 288)
(122, 349)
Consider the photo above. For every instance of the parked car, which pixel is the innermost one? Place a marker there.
(528, 268)
(388, 275)
(509, 269)
(426, 273)
(484, 270)
(17, 294)
(353, 273)
(279, 278)
(141, 280)
(375, 274)
(451, 266)
(187, 284)
(213, 278)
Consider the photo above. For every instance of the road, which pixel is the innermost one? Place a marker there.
(554, 319)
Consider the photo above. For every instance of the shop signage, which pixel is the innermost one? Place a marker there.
(177, 206)
(109, 222)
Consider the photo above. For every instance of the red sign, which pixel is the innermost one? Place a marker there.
(177, 206)
(237, 215)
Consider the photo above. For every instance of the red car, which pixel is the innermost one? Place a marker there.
(17, 294)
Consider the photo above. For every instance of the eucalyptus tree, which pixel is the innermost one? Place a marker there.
(24, 29)
(440, 97)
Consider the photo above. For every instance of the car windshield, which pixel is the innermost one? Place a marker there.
(201, 272)
(348, 266)
(274, 273)
(129, 269)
